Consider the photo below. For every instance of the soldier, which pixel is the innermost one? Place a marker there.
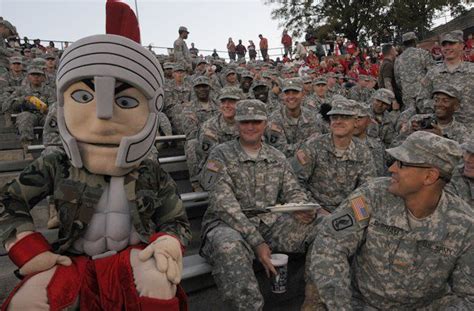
(168, 72)
(180, 49)
(442, 121)
(177, 92)
(331, 166)
(194, 114)
(12, 82)
(410, 68)
(455, 71)
(31, 102)
(386, 78)
(333, 87)
(292, 124)
(220, 128)
(230, 78)
(383, 126)
(6, 30)
(246, 176)
(462, 182)
(363, 120)
(261, 91)
(50, 70)
(246, 79)
(400, 243)
(361, 92)
(319, 95)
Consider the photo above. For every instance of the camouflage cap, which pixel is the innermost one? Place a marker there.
(364, 77)
(344, 106)
(468, 145)
(200, 80)
(307, 79)
(266, 75)
(330, 75)
(320, 80)
(384, 95)
(168, 65)
(183, 29)
(229, 71)
(49, 56)
(35, 70)
(257, 83)
(241, 61)
(363, 110)
(447, 89)
(295, 84)
(178, 67)
(426, 148)
(250, 109)
(16, 60)
(453, 36)
(35, 50)
(246, 74)
(231, 92)
(8, 25)
(409, 36)
(201, 61)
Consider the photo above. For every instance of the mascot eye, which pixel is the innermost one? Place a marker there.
(126, 102)
(82, 96)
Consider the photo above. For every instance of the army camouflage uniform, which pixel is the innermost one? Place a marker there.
(328, 177)
(455, 130)
(410, 68)
(174, 98)
(29, 116)
(378, 153)
(51, 139)
(181, 52)
(287, 134)
(5, 52)
(383, 127)
(236, 222)
(462, 78)
(313, 102)
(151, 192)
(462, 186)
(360, 94)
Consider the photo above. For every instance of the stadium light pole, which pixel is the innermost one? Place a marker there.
(136, 11)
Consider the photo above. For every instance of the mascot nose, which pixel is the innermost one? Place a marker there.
(105, 97)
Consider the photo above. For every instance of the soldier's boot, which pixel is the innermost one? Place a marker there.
(26, 155)
(8, 120)
(53, 221)
(312, 301)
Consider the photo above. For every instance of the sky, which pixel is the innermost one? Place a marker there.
(210, 22)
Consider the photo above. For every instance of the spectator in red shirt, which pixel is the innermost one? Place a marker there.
(231, 49)
(263, 47)
(312, 60)
(287, 43)
(350, 47)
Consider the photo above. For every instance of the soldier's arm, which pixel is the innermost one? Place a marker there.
(303, 162)
(369, 167)
(275, 136)
(339, 237)
(171, 216)
(16, 100)
(423, 99)
(21, 194)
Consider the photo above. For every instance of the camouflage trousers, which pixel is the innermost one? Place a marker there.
(192, 159)
(231, 257)
(26, 121)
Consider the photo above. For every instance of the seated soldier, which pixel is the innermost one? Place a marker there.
(289, 126)
(331, 166)
(442, 121)
(245, 176)
(462, 182)
(31, 103)
(400, 243)
(10, 82)
(383, 126)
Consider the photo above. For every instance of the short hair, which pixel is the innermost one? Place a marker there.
(386, 49)
(409, 43)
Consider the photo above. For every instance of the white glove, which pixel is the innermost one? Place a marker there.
(43, 262)
(168, 257)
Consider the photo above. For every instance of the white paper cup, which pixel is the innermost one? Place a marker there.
(280, 262)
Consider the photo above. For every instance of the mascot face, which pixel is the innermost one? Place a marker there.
(98, 136)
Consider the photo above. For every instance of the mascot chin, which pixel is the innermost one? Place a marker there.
(122, 226)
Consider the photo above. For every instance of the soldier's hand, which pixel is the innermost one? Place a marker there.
(43, 262)
(305, 216)
(264, 255)
(435, 130)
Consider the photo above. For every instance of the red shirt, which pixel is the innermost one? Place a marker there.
(286, 41)
(263, 43)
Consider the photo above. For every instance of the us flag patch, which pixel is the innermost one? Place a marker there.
(360, 208)
(214, 166)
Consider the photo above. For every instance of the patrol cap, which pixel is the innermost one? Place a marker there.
(246, 74)
(295, 84)
(447, 89)
(363, 110)
(257, 83)
(178, 67)
(266, 75)
(35, 70)
(426, 148)
(35, 50)
(408, 36)
(250, 109)
(168, 65)
(229, 71)
(8, 25)
(201, 80)
(468, 145)
(364, 77)
(230, 92)
(343, 106)
(201, 61)
(182, 29)
(320, 80)
(384, 95)
(307, 79)
(49, 56)
(453, 36)
(330, 75)
(16, 60)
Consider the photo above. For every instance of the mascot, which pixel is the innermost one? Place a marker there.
(122, 226)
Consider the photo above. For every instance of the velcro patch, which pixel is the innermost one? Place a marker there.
(342, 222)
(302, 157)
(210, 134)
(275, 127)
(214, 166)
(359, 207)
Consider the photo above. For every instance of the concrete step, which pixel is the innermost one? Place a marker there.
(12, 155)
(10, 144)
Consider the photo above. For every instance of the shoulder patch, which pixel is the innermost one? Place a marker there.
(210, 134)
(214, 166)
(275, 127)
(359, 207)
(343, 222)
(302, 157)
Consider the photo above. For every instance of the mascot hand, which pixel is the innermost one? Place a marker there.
(43, 262)
(168, 257)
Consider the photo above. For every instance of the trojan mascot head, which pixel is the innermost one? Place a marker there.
(109, 92)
